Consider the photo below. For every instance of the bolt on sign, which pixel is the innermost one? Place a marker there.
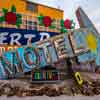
(40, 54)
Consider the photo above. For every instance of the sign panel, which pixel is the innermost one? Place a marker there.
(45, 76)
(78, 39)
(39, 54)
(11, 36)
(43, 53)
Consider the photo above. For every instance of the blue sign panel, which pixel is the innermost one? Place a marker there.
(11, 36)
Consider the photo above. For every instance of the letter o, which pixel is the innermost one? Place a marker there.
(33, 52)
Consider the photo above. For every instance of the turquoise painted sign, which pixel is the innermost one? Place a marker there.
(45, 52)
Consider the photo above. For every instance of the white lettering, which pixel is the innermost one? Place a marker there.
(44, 35)
(44, 46)
(15, 38)
(3, 37)
(29, 37)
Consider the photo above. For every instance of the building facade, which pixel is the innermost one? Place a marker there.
(34, 9)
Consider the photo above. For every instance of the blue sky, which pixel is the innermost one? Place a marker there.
(91, 7)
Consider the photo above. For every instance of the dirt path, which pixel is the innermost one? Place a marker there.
(52, 98)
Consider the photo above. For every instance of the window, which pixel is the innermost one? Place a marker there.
(32, 7)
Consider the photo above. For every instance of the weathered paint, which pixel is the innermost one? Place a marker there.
(40, 54)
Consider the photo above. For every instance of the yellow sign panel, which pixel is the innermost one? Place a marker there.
(91, 42)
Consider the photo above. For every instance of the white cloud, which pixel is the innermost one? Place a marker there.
(94, 15)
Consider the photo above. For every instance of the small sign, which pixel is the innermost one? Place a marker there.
(45, 76)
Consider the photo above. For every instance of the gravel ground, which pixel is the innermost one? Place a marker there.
(66, 90)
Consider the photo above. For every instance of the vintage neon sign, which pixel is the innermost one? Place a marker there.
(39, 54)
